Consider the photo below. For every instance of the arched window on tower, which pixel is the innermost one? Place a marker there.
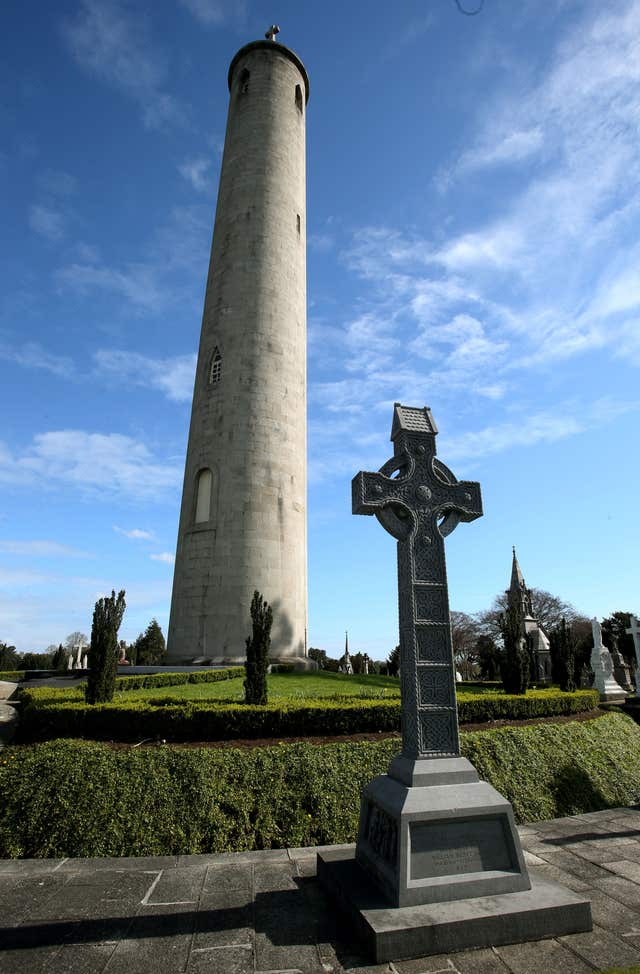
(215, 367)
(204, 482)
(244, 81)
(299, 98)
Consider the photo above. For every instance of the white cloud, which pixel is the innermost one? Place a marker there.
(172, 376)
(33, 356)
(101, 464)
(42, 549)
(211, 13)
(136, 534)
(138, 283)
(544, 426)
(513, 147)
(165, 275)
(47, 221)
(164, 556)
(112, 42)
(197, 172)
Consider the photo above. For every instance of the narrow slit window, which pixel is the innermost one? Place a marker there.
(204, 481)
(244, 81)
(299, 98)
(215, 368)
(298, 222)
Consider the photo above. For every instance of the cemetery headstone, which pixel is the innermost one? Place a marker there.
(634, 630)
(438, 845)
(602, 665)
(621, 669)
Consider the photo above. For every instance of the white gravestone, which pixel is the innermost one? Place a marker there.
(602, 666)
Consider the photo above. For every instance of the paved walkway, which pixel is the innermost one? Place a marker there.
(253, 912)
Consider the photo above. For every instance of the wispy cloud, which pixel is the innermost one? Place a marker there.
(32, 355)
(198, 173)
(47, 222)
(212, 13)
(49, 216)
(99, 464)
(170, 265)
(172, 376)
(136, 534)
(42, 549)
(110, 41)
(546, 426)
(165, 556)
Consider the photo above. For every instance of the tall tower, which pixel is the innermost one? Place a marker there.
(243, 522)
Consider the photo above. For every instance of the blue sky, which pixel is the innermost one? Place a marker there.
(473, 202)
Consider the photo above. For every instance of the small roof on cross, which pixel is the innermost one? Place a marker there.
(412, 420)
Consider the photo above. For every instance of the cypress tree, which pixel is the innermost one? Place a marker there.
(258, 645)
(514, 665)
(150, 646)
(103, 650)
(563, 650)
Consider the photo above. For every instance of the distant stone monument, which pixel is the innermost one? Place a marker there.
(621, 669)
(438, 864)
(602, 665)
(634, 631)
(345, 665)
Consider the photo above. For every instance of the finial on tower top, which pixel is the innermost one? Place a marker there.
(271, 33)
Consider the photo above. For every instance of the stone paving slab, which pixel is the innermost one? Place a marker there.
(264, 912)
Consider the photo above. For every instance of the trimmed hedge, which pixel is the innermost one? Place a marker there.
(180, 720)
(482, 707)
(86, 799)
(146, 681)
(50, 712)
(11, 676)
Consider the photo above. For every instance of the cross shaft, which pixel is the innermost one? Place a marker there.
(418, 506)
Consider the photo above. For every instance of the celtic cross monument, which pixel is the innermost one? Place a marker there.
(438, 863)
(409, 506)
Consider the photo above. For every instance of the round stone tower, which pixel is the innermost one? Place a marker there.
(243, 522)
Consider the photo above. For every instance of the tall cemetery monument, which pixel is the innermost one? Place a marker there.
(438, 864)
(243, 519)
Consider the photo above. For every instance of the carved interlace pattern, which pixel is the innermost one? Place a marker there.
(434, 686)
(433, 644)
(439, 733)
(431, 603)
(382, 834)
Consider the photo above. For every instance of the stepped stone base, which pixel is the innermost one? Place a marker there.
(400, 933)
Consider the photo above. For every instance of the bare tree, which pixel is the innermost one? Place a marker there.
(548, 610)
(464, 636)
(75, 639)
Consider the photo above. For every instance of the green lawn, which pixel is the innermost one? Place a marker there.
(296, 685)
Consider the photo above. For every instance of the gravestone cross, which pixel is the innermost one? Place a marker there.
(418, 500)
(634, 630)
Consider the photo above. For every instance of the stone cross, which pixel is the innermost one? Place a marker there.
(418, 500)
(271, 33)
(634, 631)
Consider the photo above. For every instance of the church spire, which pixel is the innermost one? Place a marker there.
(518, 594)
(517, 578)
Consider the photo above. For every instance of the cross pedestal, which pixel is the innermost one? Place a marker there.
(437, 847)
